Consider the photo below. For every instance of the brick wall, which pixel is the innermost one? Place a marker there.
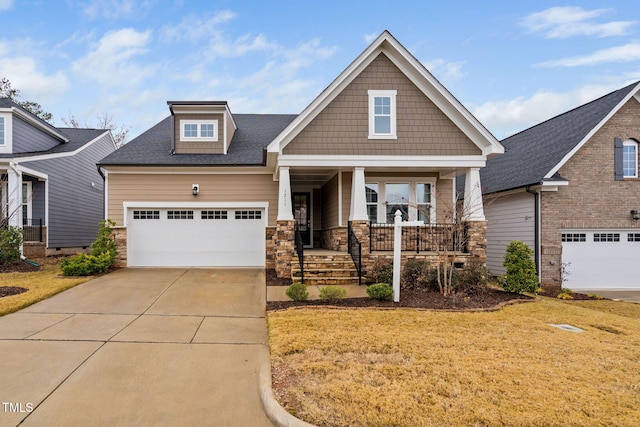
(593, 198)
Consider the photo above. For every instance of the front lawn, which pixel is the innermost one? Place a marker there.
(508, 367)
(41, 284)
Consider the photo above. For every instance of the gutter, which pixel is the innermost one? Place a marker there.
(536, 208)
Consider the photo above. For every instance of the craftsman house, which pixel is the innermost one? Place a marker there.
(569, 187)
(207, 187)
(49, 184)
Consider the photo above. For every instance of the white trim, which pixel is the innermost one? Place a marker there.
(199, 123)
(29, 198)
(592, 132)
(106, 194)
(38, 124)
(32, 172)
(417, 73)
(391, 94)
(186, 170)
(340, 199)
(7, 147)
(630, 143)
(195, 205)
(347, 161)
(58, 155)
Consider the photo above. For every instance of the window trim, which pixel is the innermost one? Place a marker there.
(373, 94)
(413, 195)
(26, 200)
(198, 124)
(630, 143)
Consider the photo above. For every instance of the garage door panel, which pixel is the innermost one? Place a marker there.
(601, 259)
(224, 241)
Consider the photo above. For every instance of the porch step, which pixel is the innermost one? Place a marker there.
(326, 269)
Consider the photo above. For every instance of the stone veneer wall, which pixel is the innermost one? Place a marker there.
(120, 235)
(284, 239)
(335, 239)
(270, 249)
(477, 240)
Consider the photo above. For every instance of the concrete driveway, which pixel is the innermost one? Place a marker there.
(619, 295)
(139, 347)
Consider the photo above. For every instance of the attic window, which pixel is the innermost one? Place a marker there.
(199, 130)
(382, 114)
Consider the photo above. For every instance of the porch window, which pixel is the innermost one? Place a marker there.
(397, 198)
(382, 114)
(630, 159)
(372, 202)
(423, 199)
(26, 201)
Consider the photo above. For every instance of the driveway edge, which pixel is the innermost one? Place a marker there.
(276, 413)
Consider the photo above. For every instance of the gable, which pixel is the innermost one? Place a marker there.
(341, 128)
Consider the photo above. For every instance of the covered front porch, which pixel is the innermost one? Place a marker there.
(347, 210)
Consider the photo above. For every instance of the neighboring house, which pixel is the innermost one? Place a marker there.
(205, 187)
(569, 187)
(49, 182)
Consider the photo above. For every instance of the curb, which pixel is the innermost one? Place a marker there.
(276, 413)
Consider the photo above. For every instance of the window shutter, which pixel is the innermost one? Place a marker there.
(618, 159)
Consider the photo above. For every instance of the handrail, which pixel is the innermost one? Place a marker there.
(355, 250)
(299, 247)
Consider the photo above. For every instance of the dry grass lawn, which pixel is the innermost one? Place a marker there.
(503, 368)
(41, 284)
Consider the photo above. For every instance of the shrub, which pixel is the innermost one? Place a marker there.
(297, 292)
(332, 293)
(415, 274)
(10, 241)
(380, 291)
(105, 243)
(78, 265)
(432, 279)
(565, 294)
(382, 271)
(521, 269)
(473, 278)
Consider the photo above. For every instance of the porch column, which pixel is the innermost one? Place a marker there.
(358, 197)
(14, 196)
(285, 210)
(473, 209)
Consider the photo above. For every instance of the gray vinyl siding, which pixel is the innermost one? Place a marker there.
(28, 139)
(509, 217)
(37, 198)
(75, 206)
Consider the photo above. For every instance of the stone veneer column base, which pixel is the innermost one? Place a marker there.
(120, 236)
(477, 240)
(361, 230)
(284, 239)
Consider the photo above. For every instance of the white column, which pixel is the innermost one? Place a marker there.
(285, 211)
(358, 197)
(473, 209)
(14, 196)
(397, 254)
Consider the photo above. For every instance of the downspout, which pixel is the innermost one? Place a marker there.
(536, 228)
(104, 189)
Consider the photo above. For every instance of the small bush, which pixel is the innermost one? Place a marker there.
(105, 243)
(595, 296)
(380, 291)
(520, 268)
(10, 241)
(432, 279)
(415, 274)
(332, 293)
(297, 292)
(382, 271)
(85, 265)
(565, 295)
(473, 278)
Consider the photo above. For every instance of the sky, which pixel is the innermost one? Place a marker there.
(511, 63)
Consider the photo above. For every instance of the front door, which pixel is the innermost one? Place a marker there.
(302, 215)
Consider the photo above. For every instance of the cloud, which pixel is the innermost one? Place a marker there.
(369, 38)
(508, 116)
(6, 4)
(569, 21)
(444, 69)
(193, 28)
(112, 60)
(626, 53)
(113, 9)
(26, 75)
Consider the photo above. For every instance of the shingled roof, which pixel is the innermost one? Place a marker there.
(153, 147)
(532, 154)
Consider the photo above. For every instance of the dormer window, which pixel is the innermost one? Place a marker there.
(382, 114)
(199, 130)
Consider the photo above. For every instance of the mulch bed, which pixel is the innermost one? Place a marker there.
(273, 279)
(7, 291)
(420, 298)
(20, 266)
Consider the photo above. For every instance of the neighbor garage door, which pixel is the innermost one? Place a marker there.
(196, 237)
(601, 259)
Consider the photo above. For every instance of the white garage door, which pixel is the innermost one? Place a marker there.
(196, 237)
(602, 259)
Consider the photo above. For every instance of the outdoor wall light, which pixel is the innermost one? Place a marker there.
(635, 214)
(195, 189)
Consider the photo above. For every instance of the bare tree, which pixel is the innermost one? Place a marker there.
(103, 121)
(7, 91)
